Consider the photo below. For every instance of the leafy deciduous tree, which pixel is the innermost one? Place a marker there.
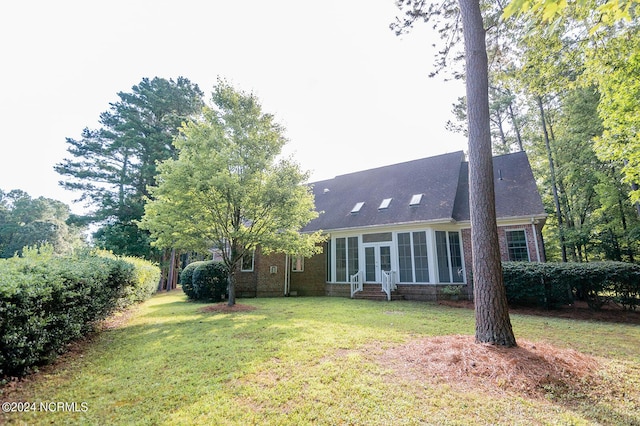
(228, 191)
(25, 221)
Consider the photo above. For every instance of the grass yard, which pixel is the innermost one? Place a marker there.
(332, 361)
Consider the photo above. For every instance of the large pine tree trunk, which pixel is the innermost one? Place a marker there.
(492, 314)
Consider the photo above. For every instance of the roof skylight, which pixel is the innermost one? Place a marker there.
(357, 207)
(415, 199)
(385, 203)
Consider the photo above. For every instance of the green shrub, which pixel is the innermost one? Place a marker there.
(600, 283)
(46, 303)
(530, 283)
(552, 284)
(142, 282)
(208, 280)
(186, 279)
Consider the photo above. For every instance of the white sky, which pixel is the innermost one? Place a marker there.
(351, 94)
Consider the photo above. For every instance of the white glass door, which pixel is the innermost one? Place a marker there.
(377, 258)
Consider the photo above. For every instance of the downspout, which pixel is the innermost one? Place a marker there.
(287, 277)
(535, 238)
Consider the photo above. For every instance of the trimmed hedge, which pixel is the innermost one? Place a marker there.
(204, 280)
(553, 284)
(47, 303)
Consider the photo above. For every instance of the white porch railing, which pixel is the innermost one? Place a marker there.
(356, 283)
(388, 283)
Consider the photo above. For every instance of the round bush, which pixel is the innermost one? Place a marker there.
(208, 281)
(186, 279)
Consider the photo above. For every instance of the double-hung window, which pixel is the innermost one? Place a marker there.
(517, 245)
(247, 261)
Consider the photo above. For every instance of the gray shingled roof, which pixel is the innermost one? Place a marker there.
(516, 191)
(441, 179)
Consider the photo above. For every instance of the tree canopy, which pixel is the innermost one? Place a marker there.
(229, 190)
(33, 222)
(562, 87)
(112, 166)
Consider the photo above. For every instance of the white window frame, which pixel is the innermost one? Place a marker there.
(429, 248)
(334, 256)
(253, 262)
(357, 207)
(448, 254)
(385, 204)
(416, 199)
(297, 264)
(526, 243)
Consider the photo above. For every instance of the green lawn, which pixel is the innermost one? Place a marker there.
(316, 361)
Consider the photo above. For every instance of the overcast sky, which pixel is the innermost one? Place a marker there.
(351, 94)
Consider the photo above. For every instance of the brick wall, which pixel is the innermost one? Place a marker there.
(466, 247)
(531, 241)
(502, 240)
(262, 281)
(245, 283)
(337, 290)
(312, 281)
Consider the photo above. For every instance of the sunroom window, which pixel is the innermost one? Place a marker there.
(412, 257)
(449, 256)
(346, 258)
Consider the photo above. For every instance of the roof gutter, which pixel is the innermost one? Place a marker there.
(514, 219)
(387, 225)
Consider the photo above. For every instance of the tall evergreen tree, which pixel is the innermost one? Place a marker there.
(493, 324)
(112, 166)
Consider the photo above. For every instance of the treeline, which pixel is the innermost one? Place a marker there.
(47, 301)
(28, 222)
(565, 92)
(570, 101)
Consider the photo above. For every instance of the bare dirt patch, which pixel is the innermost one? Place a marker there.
(530, 370)
(224, 308)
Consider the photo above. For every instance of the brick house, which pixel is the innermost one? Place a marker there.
(402, 231)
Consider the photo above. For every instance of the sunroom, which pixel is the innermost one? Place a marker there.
(410, 255)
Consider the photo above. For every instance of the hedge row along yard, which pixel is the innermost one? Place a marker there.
(47, 301)
(338, 361)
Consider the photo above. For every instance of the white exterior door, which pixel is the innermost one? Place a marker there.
(377, 258)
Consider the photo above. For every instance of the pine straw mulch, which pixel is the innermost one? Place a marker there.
(530, 369)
